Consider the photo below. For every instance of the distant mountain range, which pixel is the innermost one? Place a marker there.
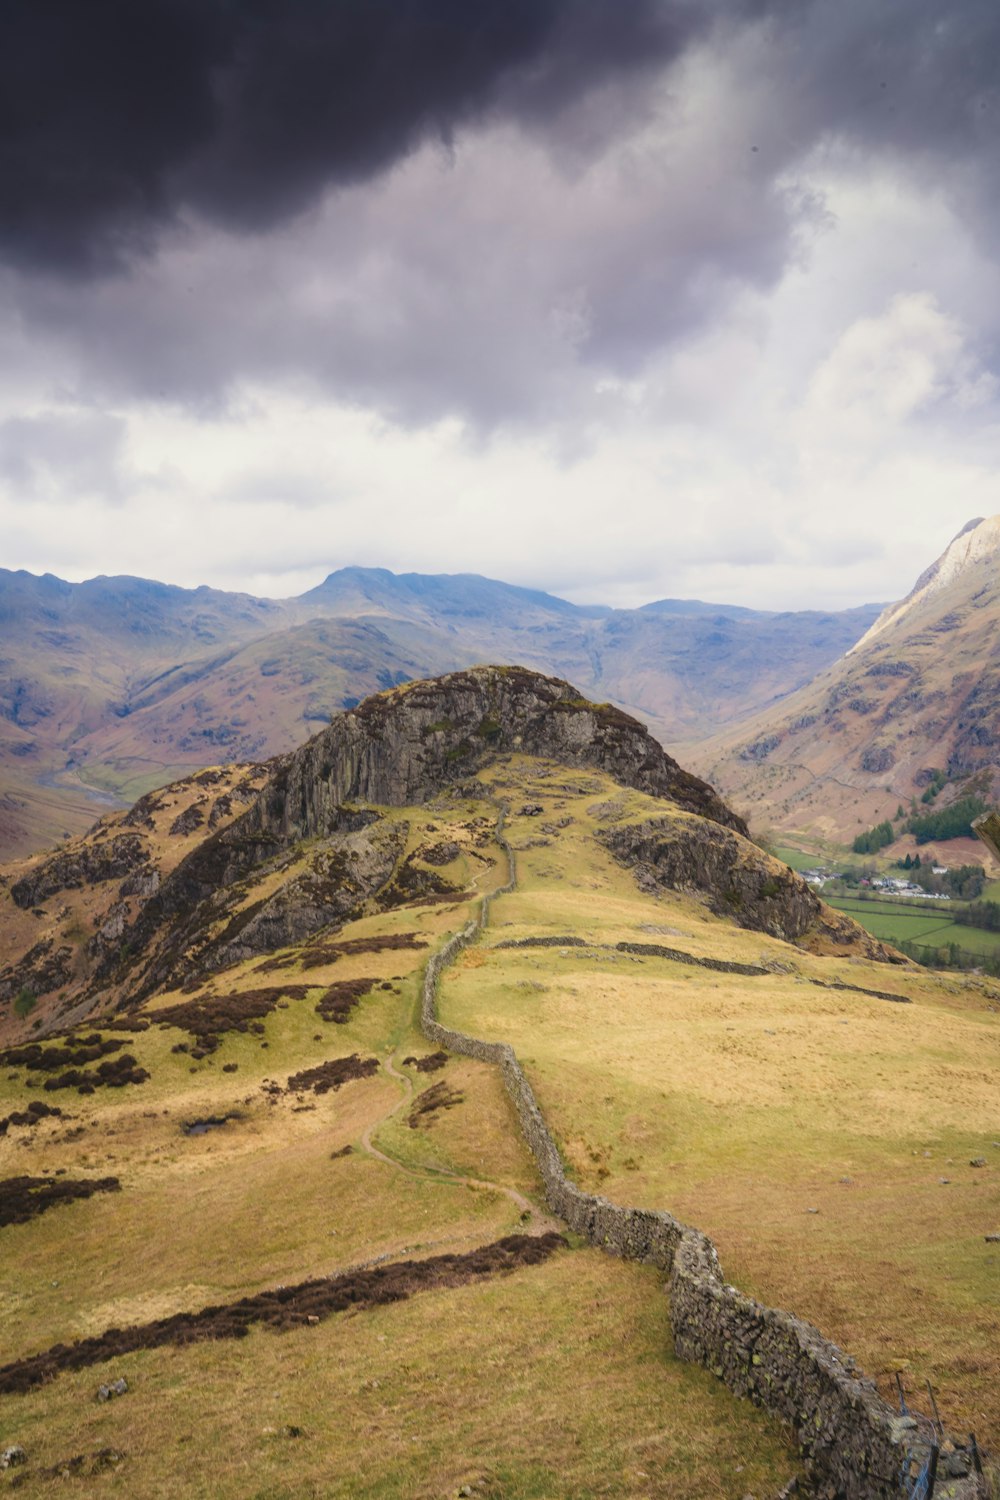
(117, 685)
(919, 693)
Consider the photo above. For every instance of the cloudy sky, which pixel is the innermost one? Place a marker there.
(623, 299)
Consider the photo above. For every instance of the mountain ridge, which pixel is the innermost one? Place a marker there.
(306, 827)
(122, 684)
(915, 700)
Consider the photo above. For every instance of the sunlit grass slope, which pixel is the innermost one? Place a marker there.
(554, 1381)
(822, 1137)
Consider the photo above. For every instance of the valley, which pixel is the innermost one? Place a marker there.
(912, 707)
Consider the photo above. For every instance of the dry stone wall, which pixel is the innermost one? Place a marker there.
(856, 1446)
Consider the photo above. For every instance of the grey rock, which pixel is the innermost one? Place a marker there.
(978, 1161)
(110, 860)
(112, 1389)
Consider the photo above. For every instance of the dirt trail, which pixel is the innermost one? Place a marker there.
(541, 1222)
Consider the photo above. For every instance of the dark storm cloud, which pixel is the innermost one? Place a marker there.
(571, 247)
(114, 114)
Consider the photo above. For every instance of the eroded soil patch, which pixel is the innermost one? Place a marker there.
(285, 1308)
(24, 1198)
(332, 1074)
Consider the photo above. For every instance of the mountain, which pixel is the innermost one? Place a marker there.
(165, 885)
(118, 685)
(398, 1067)
(912, 708)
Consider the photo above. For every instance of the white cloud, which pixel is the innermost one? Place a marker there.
(658, 366)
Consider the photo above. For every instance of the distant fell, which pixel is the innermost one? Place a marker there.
(911, 710)
(118, 685)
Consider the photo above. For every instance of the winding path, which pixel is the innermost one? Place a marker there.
(541, 1222)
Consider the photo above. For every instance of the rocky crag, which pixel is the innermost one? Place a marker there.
(172, 889)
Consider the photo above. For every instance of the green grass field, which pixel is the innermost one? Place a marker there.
(894, 922)
(794, 857)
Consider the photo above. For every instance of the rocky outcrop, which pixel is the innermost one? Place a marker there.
(44, 968)
(399, 748)
(405, 746)
(737, 879)
(191, 928)
(87, 865)
(339, 881)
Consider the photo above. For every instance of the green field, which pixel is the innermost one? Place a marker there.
(794, 857)
(895, 922)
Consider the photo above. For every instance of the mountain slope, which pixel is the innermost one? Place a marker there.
(121, 684)
(212, 1050)
(919, 692)
(237, 861)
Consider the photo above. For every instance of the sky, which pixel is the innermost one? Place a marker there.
(620, 299)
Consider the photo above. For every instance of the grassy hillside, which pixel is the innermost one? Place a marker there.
(918, 694)
(823, 1137)
(550, 1380)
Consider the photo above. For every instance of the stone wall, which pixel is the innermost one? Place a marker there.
(856, 1446)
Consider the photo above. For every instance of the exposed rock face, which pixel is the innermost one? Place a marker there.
(117, 857)
(739, 881)
(43, 968)
(194, 929)
(340, 880)
(406, 745)
(399, 748)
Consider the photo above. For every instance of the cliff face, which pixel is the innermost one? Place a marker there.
(183, 885)
(406, 745)
(739, 881)
(398, 749)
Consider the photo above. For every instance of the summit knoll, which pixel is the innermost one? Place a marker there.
(236, 862)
